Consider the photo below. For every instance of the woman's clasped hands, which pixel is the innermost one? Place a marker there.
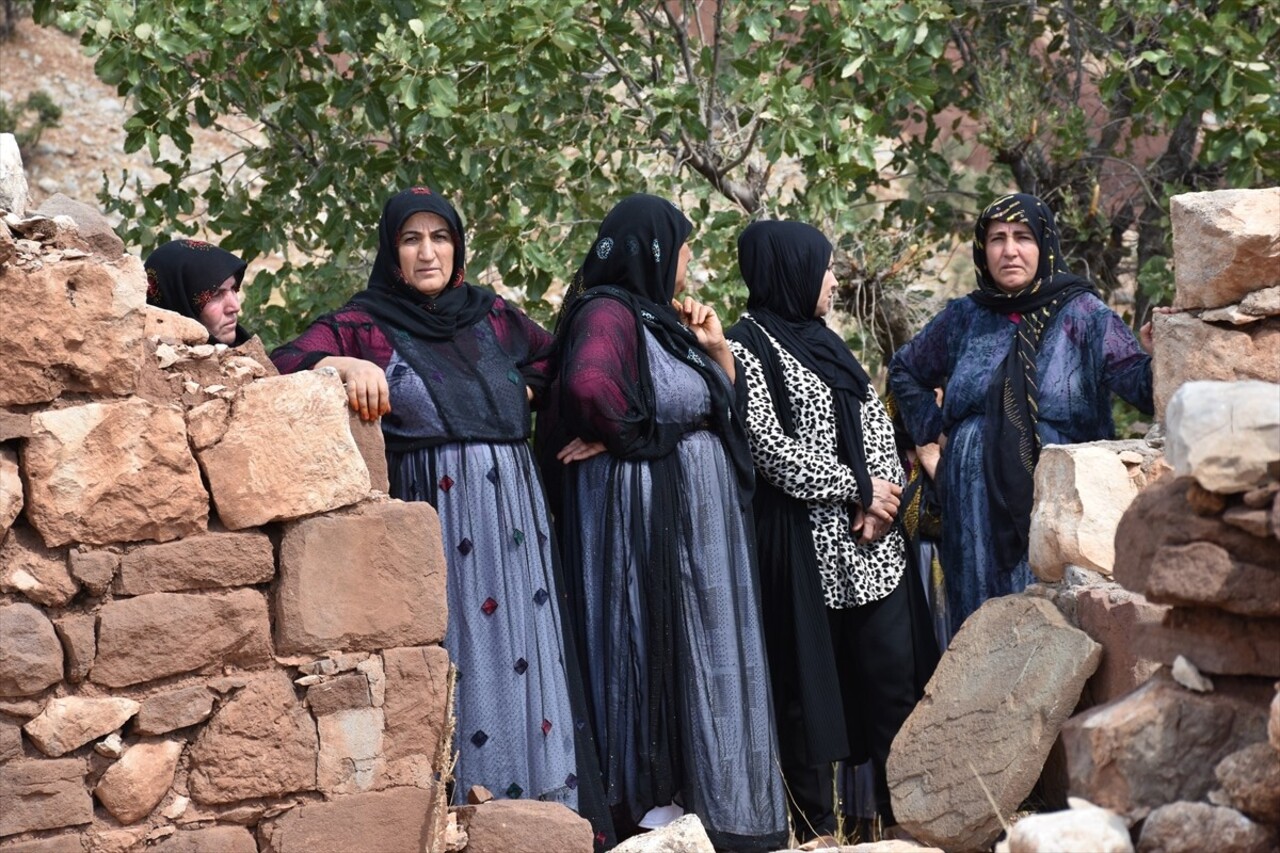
(874, 521)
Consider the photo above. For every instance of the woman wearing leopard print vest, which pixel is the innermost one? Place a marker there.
(847, 666)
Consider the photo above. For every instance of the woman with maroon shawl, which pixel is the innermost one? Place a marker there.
(657, 539)
(446, 366)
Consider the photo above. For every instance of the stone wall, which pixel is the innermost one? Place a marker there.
(216, 632)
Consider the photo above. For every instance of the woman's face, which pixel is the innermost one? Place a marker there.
(219, 314)
(426, 253)
(826, 298)
(1013, 256)
(682, 266)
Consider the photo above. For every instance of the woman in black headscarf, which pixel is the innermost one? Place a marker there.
(657, 538)
(846, 666)
(1031, 357)
(448, 368)
(200, 281)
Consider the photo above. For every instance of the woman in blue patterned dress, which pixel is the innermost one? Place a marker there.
(1031, 357)
(449, 369)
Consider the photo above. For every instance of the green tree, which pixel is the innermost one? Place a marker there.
(535, 116)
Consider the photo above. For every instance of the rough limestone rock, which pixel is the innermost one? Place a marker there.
(30, 569)
(1115, 618)
(78, 633)
(172, 327)
(113, 472)
(10, 488)
(1226, 435)
(10, 739)
(399, 819)
(260, 743)
(13, 180)
(1189, 349)
(214, 839)
(368, 579)
(166, 633)
(1187, 827)
(416, 713)
(81, 325)
(373, 449)
(531, 826)
(1251, 778)
(1160, 743)
(43, 794)
(70, 722)
(1090, 828)
(351, 757)
(198, 562)
(346, 692)
(175, 709)
(1162, 516)
(1204, 574)
(93, 569)
(136, 784)
(989, 716)
(267, 467)
(1217, 643)
(1226, 244)
(30, 656)
(91, 226)
(1082, 490)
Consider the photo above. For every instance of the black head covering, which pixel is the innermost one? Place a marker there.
(394, 302)
(783, 264)
(1012, 445)
(183, 275)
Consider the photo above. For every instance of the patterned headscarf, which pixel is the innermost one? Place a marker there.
(183, 275)
(1012, 445)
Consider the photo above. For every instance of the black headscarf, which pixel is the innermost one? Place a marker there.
(634, 260)
(394, 302)
(783, 264)
(478, 394)
(183, 275)
(1012, 445)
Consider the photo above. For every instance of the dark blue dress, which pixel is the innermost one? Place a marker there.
(1086, 354)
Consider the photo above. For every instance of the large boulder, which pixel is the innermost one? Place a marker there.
(416, 713)
(82, 326)
(112, 472)
(1225, 434)
(975, 745)
(399, 820)
(1225, 245)
(1117, 619)
(1189, 827)
(367, 579)
(530, 826)
(1251, 779)
(138, 781)
(260, 743)
(1081, 492)
(92, 227)
(30, 656)
(1160, 743)
(166, 633)
(13, 180)
(43, 794)
(207, 561)
(30, 569)
(1188, 349)
(287, 452)
(70, 722)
